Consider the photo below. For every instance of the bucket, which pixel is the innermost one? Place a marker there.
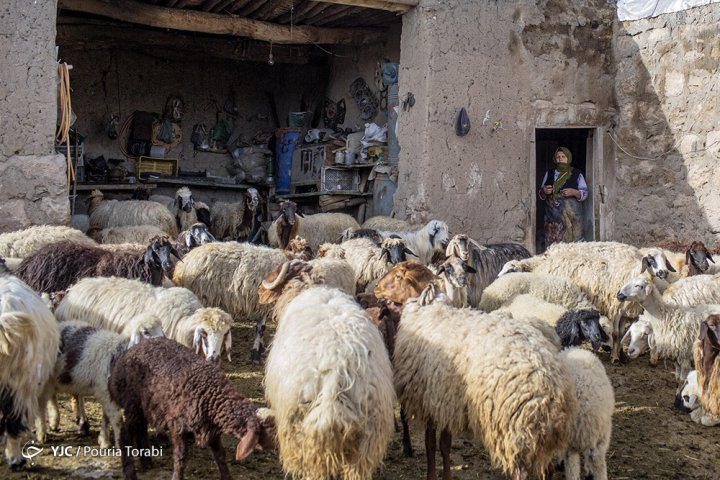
(285, 141)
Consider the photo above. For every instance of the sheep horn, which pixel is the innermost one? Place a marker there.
(283, 272)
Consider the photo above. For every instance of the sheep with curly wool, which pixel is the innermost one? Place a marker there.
(328, 380)
(163, 384)
(426, 241)
(706, 354)
(486, 260)
(234, 221)
(57, 266)
(21, 243)
(29, 341)
(589, 435)
(510, 390)
(316, 229)
(380, 222)
(137, 234)
(83, 366)
(368, 261)
(675, 327)
(115, 213)
(112, 303)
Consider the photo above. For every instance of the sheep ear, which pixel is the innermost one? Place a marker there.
(645, 264)
(246, 445)
(709, 257)
(150, 255)
(669, 265)
(197, 340)
(441, 269)
(651, 340)
(228, 345)
(135, 338)
(626, 337)
(385, 254)
(409, 252)
(175, 253)
(176, 202)
(468, 268)
(688, 257)
(299, 213)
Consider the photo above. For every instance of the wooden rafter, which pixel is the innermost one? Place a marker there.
(400, 6)
(194, 21)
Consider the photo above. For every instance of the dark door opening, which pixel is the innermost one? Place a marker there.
(579, 141)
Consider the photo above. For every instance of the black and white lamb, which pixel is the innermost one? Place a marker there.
(163, 384)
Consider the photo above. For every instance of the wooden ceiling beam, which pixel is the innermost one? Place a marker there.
(217, 24)
(399, 6)
(331, 12)
(301, 9)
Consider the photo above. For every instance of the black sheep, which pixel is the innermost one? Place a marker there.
(59, 265)
(162, 383)
(577, 326)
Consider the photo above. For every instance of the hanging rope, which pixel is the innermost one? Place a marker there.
(63, 133)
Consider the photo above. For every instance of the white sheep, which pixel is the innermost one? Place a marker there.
(497, 377)
(29, 341)
(135, 234)
(425, 242)
(328, 380)
(83, 367)
(592, 426)
(486, 260)
(115, 213)
(316, 229)
(111, 303)
(184, 209)
(453, 276)
(165, 200)
(640, 339)
(675, 327)
(380, 222)
(234, 221)
(21, 243)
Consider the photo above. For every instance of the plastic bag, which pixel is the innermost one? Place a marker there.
(374, 134)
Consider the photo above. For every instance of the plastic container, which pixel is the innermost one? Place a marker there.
(285, 141)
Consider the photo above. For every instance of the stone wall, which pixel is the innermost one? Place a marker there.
(531, 65)
(667, 127)
(32, 179)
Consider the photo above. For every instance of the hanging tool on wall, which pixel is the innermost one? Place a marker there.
(66, 118)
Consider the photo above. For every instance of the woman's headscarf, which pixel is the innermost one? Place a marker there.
(564, 171)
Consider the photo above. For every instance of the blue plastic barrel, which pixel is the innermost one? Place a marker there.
(285, 141)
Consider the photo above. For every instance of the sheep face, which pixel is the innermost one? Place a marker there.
(698, 256)
(641, 338)
(510, 267)
(458, 247)
(157, 256)
(405, 280)
(263, 438)
(196, 236)
(184, 200)
(439, 234)
(274, 284)
(590, 328)
(212, 333)
(455, 271)
(394, 251)
(710, 340)
(657, 263)
(690, 393)
(349, 234)
(145, 326)
(252, 197)
(637, 289)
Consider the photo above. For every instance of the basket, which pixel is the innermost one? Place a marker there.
(338, 178)
(167, 167)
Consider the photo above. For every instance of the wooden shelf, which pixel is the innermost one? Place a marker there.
(206, 183)
(347, 193)
(114, 186)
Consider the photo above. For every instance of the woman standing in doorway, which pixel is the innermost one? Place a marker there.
(562, 189)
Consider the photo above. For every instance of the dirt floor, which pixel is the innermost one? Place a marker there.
(650, 440)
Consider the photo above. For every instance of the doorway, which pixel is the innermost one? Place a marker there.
(580, 143)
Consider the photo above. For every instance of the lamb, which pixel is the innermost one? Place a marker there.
(29, 341)
(138, 234)
(590, 432)
(83, 367)
(510, 391)
(193, 237)
(234, 221)
(21, 243)
(388, 223)
(707, 364)
(486, 260)
(56, 267)
(111, 303)
(640, 339)
(425, 242)
(453, 275)
(369, 262)
(328, 379)
(675, 327)
(316, 229)
(114, 213)
(163, 384)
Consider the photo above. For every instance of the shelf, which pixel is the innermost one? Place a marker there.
(206, 183)
(348, 193)
(114, 186)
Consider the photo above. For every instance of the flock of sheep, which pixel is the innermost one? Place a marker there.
(481, 340)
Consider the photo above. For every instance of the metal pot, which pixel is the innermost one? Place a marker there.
(116, 174)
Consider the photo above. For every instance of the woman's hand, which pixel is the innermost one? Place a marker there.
(570, 192)
(547, 189)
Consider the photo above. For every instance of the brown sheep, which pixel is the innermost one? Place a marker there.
(707, 363)
(164, 384)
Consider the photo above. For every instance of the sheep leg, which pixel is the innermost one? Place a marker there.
(53, 413)
(41, 419)
(179, 455)
(218, 452)
(13, 453)
(14, 428)
(141, 437)
(104, 437)
(113, 414)
(430, 447)
(127, 435)
(406, 442)
(595, 464)
(572, 466)
(78, 408)
(445, 445)
(258, 346)
(618, 354)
